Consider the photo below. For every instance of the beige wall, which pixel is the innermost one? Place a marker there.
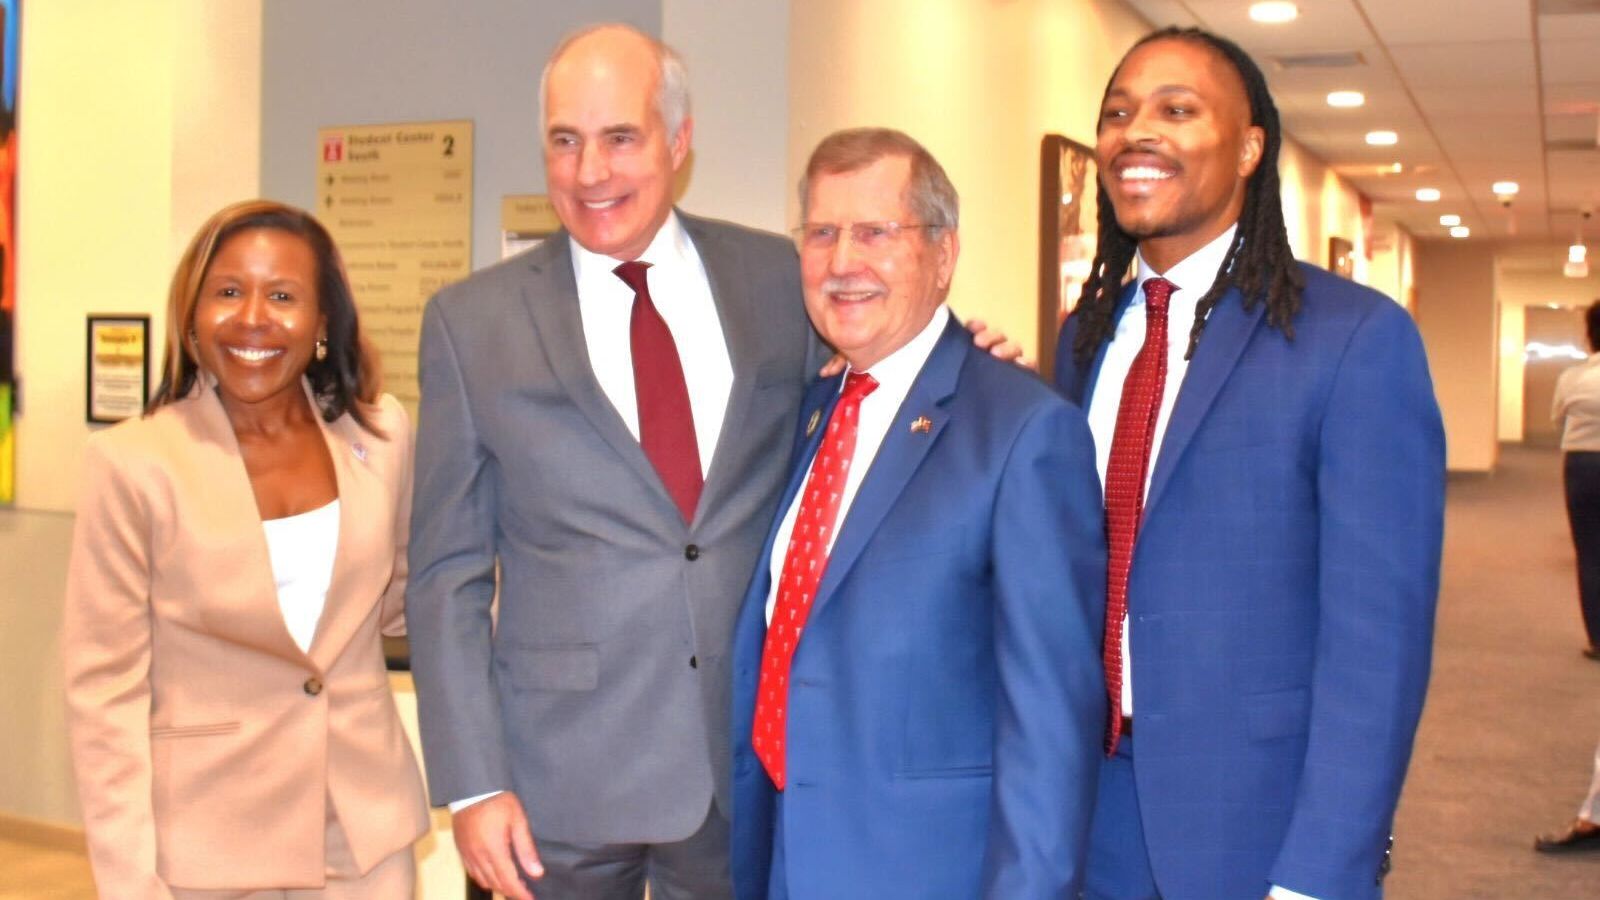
(979, 83)
(1392, 269)
(1317, 205)
(1459, 323)
(1518, 286)
(140, 117)
(738, 70)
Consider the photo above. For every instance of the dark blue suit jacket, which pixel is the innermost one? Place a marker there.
(946, 701)
(1282, 595)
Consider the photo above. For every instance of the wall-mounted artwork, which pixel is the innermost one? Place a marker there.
(1068, 229)
(9, 30)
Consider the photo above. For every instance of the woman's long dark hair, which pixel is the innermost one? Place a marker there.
(1259, 262)
(346, 381)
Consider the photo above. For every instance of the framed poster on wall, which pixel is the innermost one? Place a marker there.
(118, 370)
(1069, 190)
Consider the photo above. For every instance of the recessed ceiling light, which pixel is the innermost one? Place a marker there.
(1460, 231)
(1428, 195)
(1504, 188)
(1450, 221)
(1347, 99)
(1396, 168)
(1274, 12)
(1382, 138)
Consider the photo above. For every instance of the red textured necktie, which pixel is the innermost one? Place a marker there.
(803, 564)
(1125, 477)
(666, 422)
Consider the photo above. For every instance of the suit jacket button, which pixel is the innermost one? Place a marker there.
(694, 662)
(691, 552)
(313, 686)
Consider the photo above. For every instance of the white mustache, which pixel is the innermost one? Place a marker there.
(853, 285)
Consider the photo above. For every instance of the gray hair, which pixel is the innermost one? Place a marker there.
(929, 194)
(672, 83)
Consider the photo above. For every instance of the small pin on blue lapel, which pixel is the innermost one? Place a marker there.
(921, 425)
(816, 419)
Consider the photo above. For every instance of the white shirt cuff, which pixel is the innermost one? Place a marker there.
(458, 805)
(1280, 893)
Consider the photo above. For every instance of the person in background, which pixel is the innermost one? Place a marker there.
(1273, 462)
(1577, 407)
(918, 694)
(237, 552)
(1584, 832)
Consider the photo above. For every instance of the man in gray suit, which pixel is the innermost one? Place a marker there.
(583, 739)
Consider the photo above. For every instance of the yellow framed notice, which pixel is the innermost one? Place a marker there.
(118, 377)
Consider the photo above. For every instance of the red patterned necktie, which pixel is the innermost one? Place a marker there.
(803, 565)
(1125, 477)
(666, 422)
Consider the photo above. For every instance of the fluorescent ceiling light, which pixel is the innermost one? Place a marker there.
(1274, 12)
(1450, 221)
(1382, 138)
(1428, 195)
(1504, 188)
(1460, 231)
(1346, 99)
(1577, 253)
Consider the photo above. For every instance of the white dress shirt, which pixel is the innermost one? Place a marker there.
(302, 549)
(894, 374)
(682, 294)
(1193, 276)
(1577, 405)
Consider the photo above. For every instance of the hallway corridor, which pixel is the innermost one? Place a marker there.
(1513, 713)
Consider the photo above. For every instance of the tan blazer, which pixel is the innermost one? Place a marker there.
(207, 745)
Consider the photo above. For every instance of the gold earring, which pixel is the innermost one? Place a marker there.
(322, 349)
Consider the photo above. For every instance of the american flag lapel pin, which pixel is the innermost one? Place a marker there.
(921, 425)
(811, 425)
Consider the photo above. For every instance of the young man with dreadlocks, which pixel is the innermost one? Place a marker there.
(1273, 462)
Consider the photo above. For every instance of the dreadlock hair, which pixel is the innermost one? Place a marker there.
(1259, 262)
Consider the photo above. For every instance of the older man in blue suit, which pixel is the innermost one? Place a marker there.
(1274, 471)
(918, 696)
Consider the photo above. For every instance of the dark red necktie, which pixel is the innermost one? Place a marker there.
(1125, 477)
(803, 564)
(666, 422)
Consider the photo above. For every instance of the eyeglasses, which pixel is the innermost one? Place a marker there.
(866, 235)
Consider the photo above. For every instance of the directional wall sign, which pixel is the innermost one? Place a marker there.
(398, 201)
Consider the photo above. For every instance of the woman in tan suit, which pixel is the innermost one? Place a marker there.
(238, 551)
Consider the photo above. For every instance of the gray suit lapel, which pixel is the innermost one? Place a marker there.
(551, 294)
(735, 309)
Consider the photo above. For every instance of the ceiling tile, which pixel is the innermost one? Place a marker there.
(1567, 27)
(1162, 13)
(1430, 21)
(1567, 61)
(1323, 25)
(1484, 100)
(1582, 127)
(1491, 63)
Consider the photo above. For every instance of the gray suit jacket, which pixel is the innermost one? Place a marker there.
(602, 696)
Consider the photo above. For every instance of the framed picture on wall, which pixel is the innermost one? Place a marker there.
(1341, 257)
(118, 376)
(1068, 229)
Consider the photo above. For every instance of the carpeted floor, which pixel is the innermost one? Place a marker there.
(1508, 736)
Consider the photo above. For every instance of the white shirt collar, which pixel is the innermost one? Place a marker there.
(1195, 273)
(669, 249)
(895, 372)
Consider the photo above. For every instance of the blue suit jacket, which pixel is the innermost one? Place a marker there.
(1282, 595)
(946, 701)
